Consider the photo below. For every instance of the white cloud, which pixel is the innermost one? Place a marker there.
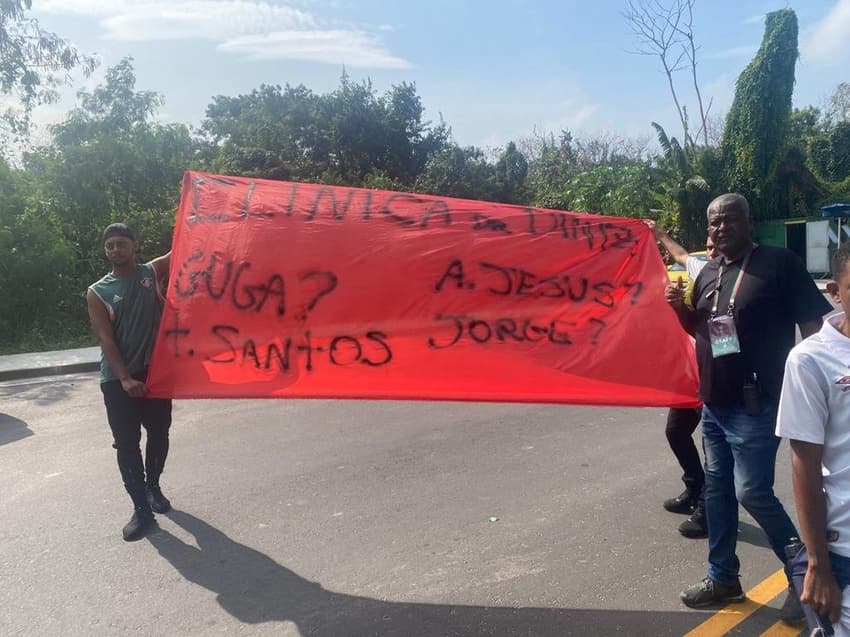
(755, 19)
(353, 48)
(253, 28)
(197, 18)
(828, 40)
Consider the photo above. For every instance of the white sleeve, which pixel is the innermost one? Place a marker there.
(803, 408)
(694, 266)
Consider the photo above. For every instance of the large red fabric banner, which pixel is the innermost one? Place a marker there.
(298, 290)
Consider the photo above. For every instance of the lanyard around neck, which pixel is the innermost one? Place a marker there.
(735, 289)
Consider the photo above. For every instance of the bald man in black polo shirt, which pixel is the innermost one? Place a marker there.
(743, 312)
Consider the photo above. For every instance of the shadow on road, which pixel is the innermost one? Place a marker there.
(12, 429)
(43, 392)
(253, 588)
(751, 534)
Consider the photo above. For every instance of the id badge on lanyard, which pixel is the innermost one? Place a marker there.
(723, 336)
(722, 332)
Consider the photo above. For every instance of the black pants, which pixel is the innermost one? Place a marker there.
(127, 416)
(681, 424)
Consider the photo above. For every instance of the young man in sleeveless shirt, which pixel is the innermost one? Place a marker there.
(125, 308)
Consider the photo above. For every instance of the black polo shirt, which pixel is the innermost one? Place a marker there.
(775, 295)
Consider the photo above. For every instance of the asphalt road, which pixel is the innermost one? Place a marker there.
(353, 518)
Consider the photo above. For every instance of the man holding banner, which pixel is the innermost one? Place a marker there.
(125, 307)
(743, 312)
(682, 422)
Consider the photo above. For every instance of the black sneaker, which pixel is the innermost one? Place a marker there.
(709, 593)
(138, 526)
(696, 526)
(159, 503)
(791, 611)
(682, 503)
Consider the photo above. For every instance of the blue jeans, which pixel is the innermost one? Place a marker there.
(740, 462)
(840, 569)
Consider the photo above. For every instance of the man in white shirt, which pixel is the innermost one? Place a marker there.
(814, 414)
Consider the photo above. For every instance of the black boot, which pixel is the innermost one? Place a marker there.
(139, 525)
(696, 526)
(157, 501)
(683, 503)
(133, 475)
(155, 455)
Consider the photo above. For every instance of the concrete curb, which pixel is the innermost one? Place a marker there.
(51, 370)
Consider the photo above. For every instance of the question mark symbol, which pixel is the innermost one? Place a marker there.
(327, 280)
(637, 286)
(602, 325)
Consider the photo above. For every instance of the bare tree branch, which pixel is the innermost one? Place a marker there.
(690, 48)
(656, 29)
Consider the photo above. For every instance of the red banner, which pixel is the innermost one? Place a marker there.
(297, 290)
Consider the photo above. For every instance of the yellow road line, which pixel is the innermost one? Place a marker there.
(781, 629)
(730, 616)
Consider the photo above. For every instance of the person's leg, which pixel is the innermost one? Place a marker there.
(681, 424)
(720, 504)
(125, 418)
(721, 586)
(841, 570)
(156, 418)
(842, 628)
(754, 447)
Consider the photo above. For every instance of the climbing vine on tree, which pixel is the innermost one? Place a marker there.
(758, 123)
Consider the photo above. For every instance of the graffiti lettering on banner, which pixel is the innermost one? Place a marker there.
(282, 289)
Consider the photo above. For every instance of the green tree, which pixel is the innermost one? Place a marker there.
(271, 132)
(33, 64)
(686, 182)
(36, 269)
(459, 172)
(555, 163)
(340, 137)
(797, 189)
(759, 121)
(110, 161)
(623, 191)
(839, 103)
(805, 124)
(839, 145)
(511, 173)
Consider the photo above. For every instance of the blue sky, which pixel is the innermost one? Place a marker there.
(496, 70)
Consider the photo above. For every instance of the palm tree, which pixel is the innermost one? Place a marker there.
(686, 186)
